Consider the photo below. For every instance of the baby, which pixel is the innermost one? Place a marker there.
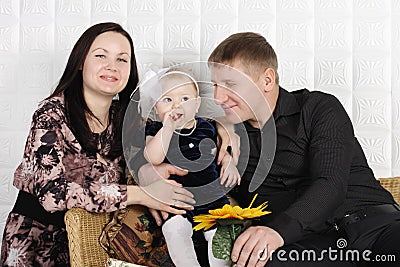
(189, 142)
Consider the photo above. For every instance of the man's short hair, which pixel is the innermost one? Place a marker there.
(253, 51)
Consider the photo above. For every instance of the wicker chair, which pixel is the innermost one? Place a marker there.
(84, 229)
(392, 185)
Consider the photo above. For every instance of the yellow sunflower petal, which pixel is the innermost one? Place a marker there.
(204, 225)
(237, 210)
(228, 212)
(252, 201)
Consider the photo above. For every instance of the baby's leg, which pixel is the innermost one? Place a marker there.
(214, 262)
(178, 233)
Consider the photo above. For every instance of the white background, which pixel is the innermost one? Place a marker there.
(350, 48)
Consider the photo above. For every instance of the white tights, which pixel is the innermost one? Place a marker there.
(178, 234)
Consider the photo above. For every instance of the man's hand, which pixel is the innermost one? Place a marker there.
(227, 137)
(254, 246)
(229, 173)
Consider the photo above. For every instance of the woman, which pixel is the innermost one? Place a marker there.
(73, 155)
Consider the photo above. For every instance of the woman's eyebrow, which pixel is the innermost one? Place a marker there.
(124, 53)
(99, 48)
(105, 50)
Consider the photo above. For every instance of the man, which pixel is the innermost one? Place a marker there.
(318, 184)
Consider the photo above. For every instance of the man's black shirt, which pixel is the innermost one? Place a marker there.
(319, 172)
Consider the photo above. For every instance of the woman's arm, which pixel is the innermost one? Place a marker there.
(58, 174)
(46, 166)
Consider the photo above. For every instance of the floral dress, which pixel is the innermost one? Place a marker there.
(60, 176)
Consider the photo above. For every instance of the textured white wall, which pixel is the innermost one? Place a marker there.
(350, 48)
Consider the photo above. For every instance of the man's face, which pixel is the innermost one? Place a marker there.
(237, 93)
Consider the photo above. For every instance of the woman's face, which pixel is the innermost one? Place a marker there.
(106, 68)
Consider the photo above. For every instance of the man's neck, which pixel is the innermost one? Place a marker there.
(264, 113)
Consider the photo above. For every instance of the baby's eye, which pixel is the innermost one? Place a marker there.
(167, 99)
(185, 98)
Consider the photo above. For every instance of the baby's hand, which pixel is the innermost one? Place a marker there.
(172, 119)
(229, 173)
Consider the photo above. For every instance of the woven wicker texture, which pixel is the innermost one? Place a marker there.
(392, 184)
(84, 229)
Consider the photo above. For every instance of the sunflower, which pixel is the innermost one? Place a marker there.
(228, 212)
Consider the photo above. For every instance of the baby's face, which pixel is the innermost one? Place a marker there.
(180, 99)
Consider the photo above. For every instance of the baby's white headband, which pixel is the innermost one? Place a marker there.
(184, 74)
(150, 86)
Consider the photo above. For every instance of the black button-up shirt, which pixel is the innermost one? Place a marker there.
(319, 172)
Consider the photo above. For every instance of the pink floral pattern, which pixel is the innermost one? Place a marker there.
(61, 175)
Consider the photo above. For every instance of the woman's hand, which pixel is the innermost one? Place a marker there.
(158, 193)
(154, 181)
(138, 196)
(149, 173)
(157, 214)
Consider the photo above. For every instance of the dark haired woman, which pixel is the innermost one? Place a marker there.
(73, 155)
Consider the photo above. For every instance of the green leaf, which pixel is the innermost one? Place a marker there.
(224, 239)
(222, 243)
(235, 231)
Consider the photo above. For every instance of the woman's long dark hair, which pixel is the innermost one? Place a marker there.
(71, 85)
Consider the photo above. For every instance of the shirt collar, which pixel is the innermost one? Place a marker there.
(286, 104)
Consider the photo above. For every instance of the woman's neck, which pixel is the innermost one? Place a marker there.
(100, 107)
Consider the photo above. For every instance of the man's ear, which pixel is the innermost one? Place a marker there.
(269, 79)
(198, 102)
